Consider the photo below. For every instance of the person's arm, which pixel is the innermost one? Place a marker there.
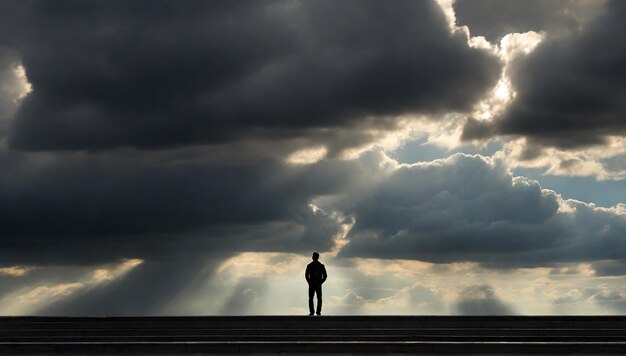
(324, 274)
(307, 275)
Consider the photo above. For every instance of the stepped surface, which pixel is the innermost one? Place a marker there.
(314, 335)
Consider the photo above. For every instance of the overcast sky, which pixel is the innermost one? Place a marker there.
(183, 158)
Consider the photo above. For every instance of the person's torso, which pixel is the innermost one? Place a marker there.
(316, 270)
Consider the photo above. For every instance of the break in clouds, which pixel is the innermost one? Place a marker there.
(147, 150)
(570, 89)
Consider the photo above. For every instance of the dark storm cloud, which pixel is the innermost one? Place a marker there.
(570, 89)
(123, 204)
(160, 73)
(494, 19)
(466, 208)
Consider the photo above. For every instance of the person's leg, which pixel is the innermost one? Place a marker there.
(318, 291)
(311, 292)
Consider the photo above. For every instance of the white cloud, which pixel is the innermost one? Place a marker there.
(591, 161)
(307, 155)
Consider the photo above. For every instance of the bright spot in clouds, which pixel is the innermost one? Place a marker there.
(104, 274)
(307, 156)
(16, 271)
(22, 86)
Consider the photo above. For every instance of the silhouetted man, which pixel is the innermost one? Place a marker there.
(315, 275)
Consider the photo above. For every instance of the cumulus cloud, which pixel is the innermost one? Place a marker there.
(154, 74)
(604, 162)
(470, 208)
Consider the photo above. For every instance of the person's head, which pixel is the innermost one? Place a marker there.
(316, 256)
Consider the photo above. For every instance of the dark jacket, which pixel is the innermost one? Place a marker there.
(315, 273)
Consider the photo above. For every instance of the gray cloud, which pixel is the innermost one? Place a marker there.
(480, 300)
(466, 208)
(570, 89)
(125, 204)
(156, 74)
(609, 268)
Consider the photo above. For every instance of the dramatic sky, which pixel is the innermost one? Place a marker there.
(186, 158)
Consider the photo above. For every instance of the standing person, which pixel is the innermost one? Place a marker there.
(315, 275)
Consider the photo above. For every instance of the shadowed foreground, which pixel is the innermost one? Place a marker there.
(326, 334)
